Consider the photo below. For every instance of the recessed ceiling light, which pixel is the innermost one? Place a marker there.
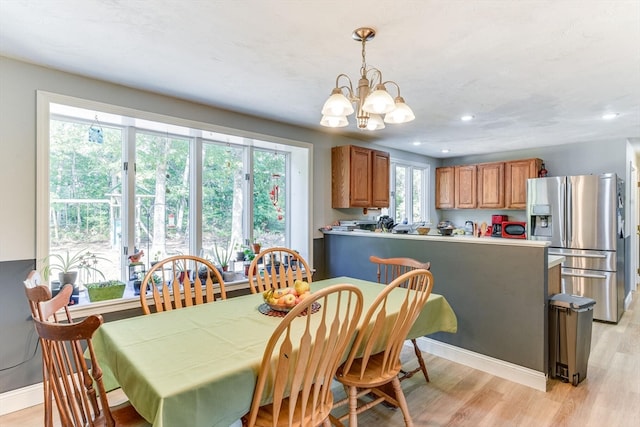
(466, 118)
(609, 116)
(417, 143)
(444, 150)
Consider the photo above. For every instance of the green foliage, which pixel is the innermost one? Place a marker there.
(82, 261)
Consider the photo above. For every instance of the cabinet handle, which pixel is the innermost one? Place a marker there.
(599, 256)
(588, 276)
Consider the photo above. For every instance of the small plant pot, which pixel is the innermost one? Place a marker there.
(68, 278)
(106, 290)
(256, 248)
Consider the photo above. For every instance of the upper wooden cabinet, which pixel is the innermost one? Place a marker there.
(498, 185)
(516, 174)
(380, 179)
(491, 185)
(445, 187)
(359, 177)
(465, 186)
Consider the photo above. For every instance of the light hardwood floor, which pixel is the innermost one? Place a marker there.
(461, 396)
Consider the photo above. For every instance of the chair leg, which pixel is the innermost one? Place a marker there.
(402, 402)
(353, 406)
(423, 366)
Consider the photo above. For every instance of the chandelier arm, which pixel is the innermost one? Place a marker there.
(394, 83)
(349, 88)
(373, 74)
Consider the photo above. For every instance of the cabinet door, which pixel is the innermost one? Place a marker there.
(465, 187)
(491, 185)
(360, 186)
(445, 188)
(380, 179)
(516, 174)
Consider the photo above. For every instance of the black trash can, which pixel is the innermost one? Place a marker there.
(570, 324)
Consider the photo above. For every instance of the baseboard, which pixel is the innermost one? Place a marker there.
(16, 400)
(499, 368)
(628, 300)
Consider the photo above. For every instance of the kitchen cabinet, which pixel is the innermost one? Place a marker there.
(445, 187)
(516, 174)
(491, 185)
(465, 185)
(359, 177)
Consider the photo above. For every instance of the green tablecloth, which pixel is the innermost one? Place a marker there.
(197, 366)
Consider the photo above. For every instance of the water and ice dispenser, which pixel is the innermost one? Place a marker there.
(541, 221)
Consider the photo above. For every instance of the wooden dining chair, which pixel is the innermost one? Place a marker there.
(281, 268)
(77, 389)
(388, 270)
(36, 292)
(181, 281)
(374, 359)
(301, 359)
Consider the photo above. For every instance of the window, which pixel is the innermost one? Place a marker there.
(117, 183)
(409, 199)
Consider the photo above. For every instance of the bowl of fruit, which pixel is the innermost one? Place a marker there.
(284, 299)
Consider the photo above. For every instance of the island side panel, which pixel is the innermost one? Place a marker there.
(498, 292)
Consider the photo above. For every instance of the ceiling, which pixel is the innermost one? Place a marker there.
(533, 73)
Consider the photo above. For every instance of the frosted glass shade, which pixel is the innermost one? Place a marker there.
(375, 122)
(334, 121)
(401, 114)
(379, 101)
(337, 105)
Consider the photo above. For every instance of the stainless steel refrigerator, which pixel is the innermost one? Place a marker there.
(583, 219)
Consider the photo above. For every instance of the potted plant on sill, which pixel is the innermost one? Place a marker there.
(222, 255)
(69, 266)
(105, 290)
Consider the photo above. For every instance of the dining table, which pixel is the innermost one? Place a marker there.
(197, 366)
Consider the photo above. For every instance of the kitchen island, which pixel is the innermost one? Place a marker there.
(497, 287)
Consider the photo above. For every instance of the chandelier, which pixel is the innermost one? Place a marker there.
(371, 97)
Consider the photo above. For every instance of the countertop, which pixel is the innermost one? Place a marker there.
(452, 239)
(555, 260)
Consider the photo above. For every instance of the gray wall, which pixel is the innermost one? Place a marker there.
(498, 293)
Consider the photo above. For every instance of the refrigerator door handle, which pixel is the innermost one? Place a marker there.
(599, 256)
(568, 237)
(589, 276)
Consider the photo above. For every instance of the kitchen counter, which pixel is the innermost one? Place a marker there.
(498, 288)
(555, 260)
(450, 239)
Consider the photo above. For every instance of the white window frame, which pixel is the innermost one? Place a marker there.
(425, 205)
(299, 215)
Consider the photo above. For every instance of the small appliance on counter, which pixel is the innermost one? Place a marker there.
(385, 223)
(496, 224)
(446, 228)
(514, 229)
(468, 227)
(356, 225)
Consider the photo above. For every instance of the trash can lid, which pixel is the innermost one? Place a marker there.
(575, 302)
